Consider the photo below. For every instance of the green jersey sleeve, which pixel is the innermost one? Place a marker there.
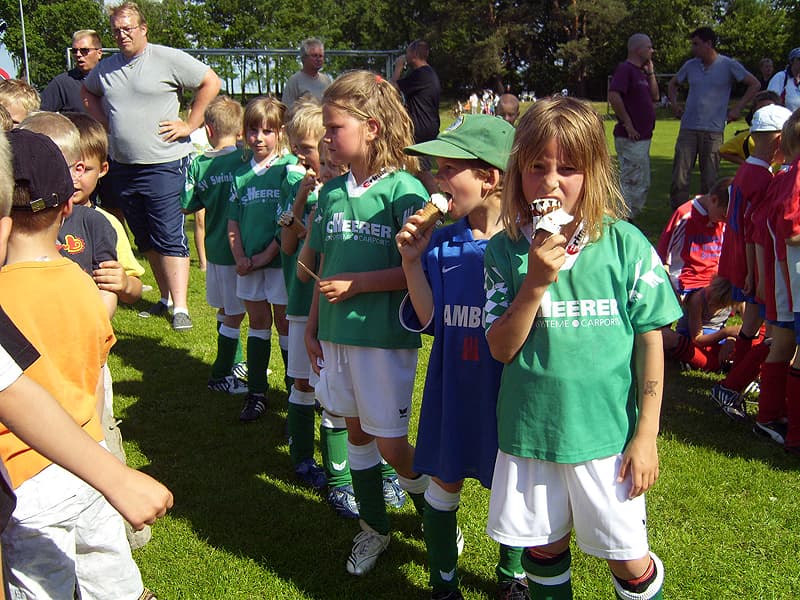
(189, 201)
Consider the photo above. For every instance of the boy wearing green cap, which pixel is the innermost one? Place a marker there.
(457, 435)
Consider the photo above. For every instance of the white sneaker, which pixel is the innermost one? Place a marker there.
(368, 545)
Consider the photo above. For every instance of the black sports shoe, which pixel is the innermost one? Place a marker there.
(513, 590)
(254, 407)
(159, 309)
(773, 430)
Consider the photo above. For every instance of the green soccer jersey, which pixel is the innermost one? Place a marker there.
(208, 186)
(300, 293)
(256, 203)
(354, 229)
(569, 394)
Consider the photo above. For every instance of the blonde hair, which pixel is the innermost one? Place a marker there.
(59, 129)
(581, 139)
(304, 120)
(365, 95)
(790, 137)
(93, 137)
(17, 92)
(90, 33)
(225, 116)
(6, 122)
(6, 176)
(266, 110)
(129, 8)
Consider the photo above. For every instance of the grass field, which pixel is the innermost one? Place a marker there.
(723, 516)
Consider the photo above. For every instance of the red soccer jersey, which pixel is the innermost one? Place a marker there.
(769, 217)
(791, 213)
(748, 188)
(698, 242)
(670, 243)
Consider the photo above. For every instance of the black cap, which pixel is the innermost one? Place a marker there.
(39, 164)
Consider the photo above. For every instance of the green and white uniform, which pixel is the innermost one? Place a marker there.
(569, 395)
(370, 359)
(354, 229)
(300, 293)
(256, 202)
(208, 186)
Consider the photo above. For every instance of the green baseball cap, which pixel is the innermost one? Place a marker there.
(483, 137)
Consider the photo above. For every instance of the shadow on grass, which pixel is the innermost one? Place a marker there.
(235, 485)
(690, 414)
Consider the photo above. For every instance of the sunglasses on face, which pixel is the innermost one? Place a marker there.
(81, 51)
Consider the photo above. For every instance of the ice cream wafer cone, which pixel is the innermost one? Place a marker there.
(433, 212)
(288, 221)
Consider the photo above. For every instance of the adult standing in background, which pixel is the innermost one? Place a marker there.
(63, 93)
(787, 83)
(765, 70)
(421, 90)
(631, 93)
(710, 76)
(309, 79)
(135, 94)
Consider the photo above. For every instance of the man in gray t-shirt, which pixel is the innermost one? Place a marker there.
(710, 76)
(135, 94)
(309, 79)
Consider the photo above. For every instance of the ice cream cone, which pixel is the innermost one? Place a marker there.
(433, 212)
(288, 221)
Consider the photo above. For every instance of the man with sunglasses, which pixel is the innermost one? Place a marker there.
(63, 93)
(136, 95)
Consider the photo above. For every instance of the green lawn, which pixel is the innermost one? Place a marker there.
(722, 517)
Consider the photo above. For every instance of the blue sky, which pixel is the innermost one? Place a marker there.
(6, 62)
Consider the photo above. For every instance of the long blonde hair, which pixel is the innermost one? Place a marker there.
(365, 95)
(580, 135)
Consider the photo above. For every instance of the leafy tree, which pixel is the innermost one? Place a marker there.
(587, 25)
(752, 29)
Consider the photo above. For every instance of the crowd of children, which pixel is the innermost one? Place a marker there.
(316, 224)
(734, 250)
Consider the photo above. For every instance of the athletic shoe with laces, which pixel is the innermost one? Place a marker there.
(772, 430)
(730, 401)
(342, 499)
(239, 371)
(447, 595)
(393, 494)
(159, 309)
(229, 385)
(513, 590)
(368, 545)
(181, 322)
(254, 407)
(311, 474)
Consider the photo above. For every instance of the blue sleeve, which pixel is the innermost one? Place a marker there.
(408, 316)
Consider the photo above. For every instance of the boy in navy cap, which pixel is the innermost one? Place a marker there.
(54, 508)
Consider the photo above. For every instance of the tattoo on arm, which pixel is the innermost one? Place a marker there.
(650, 387)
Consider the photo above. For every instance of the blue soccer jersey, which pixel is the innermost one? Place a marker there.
(457, 435)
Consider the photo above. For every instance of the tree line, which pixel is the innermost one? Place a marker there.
(535, 45)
